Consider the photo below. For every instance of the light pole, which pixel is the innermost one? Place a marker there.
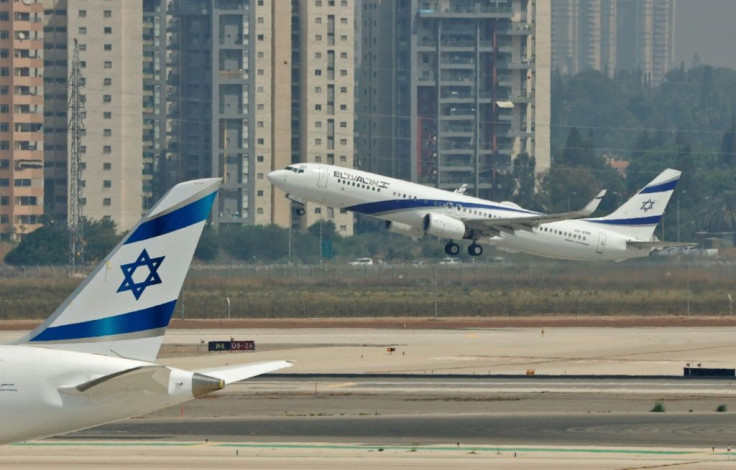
(678, 214)
(730, 305)
(574, 193)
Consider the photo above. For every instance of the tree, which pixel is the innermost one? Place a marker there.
(45, 246)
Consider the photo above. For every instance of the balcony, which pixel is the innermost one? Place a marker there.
(477, 11)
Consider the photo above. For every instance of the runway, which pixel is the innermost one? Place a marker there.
(474, 411)
(434, 403)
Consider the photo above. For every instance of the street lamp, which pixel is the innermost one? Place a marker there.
(574, 193)
(678, 213)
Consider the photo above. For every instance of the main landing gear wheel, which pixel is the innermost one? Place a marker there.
(475, 250)
(452, 248)
(300, 211)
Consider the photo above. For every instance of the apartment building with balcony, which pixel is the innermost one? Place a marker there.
(323, 81)
(453, 90)
(21, 118)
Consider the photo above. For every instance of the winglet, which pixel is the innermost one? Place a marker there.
(592, 205)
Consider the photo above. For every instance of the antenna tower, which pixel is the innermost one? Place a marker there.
(76, 128)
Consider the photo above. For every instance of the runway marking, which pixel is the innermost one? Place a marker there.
(371, 447)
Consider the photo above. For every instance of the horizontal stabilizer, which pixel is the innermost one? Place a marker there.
(231, 374)
(656, 244)
(154, 378)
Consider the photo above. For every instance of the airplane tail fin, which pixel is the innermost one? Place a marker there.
(639, 216)
(124, 306)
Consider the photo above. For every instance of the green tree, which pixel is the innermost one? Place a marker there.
(44, 246)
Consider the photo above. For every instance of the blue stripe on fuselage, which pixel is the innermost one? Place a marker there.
(133, 322)
(190, 214)
(660, 188)
(651, 220)
(394, 205)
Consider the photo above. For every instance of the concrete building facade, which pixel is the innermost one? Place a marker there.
(614, 36)
(323, 118)
(217, 94)
(467, 89)
(21, 118)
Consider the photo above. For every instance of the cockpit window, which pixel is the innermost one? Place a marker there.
(294, 169)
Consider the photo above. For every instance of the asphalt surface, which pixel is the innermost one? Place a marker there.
(550, 411)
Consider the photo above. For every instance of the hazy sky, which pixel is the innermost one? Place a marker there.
(708, 28)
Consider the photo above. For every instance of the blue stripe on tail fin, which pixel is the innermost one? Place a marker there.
(124, 306)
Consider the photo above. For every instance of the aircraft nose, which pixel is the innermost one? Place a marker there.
(276, 176)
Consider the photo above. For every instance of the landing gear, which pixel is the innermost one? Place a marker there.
(452, 248)
(300, 211)
(475, 250)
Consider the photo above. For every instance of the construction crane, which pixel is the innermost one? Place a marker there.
(75, 129)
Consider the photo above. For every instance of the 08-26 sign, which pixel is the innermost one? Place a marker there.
(231, 346)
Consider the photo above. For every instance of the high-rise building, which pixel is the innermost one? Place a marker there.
(110, 52)
(453, 90)
(324, 86)
(217, 101)
(646, 37)
(614, 36)
(21, 118)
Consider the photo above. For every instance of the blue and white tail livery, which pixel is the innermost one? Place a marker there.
(124, 306)
(639, 216)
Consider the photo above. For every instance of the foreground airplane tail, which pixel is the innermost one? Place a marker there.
(123, 307)
(639, 216)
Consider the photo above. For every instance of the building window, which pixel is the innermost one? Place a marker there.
(107, 166)
(260, 193)
(107, 184)
(259, 176)
(317, 210)
(82, 30)
(259, 210)
(106, 98)
(108, 64)
(108, 47)
(107, 82)
(107, 132)
(343, 89)
(318, 107)
(108, 30)
(260, 37)
(106, 149)
(82, 13)
(107, 115)
(318, 72)
(318, 37)
(259, 158)
(82, 47)
(107, 14)
(260, 20)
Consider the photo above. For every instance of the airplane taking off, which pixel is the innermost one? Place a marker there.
(417, 210)
(93, 360)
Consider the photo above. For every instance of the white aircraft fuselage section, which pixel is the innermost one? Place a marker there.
(408, 203)
(31, 410)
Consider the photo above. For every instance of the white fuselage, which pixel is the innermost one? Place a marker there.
(407, 203)
(34, 402)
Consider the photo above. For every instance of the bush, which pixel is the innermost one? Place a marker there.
(658, 407)
(722, 408)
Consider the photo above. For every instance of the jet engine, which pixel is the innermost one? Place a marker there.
(443, 226)
(404, 229)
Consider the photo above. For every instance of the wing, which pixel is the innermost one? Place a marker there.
(154, 378)
(512, 224)
(232, 374)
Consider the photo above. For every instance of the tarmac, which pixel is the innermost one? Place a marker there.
(423, 353)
